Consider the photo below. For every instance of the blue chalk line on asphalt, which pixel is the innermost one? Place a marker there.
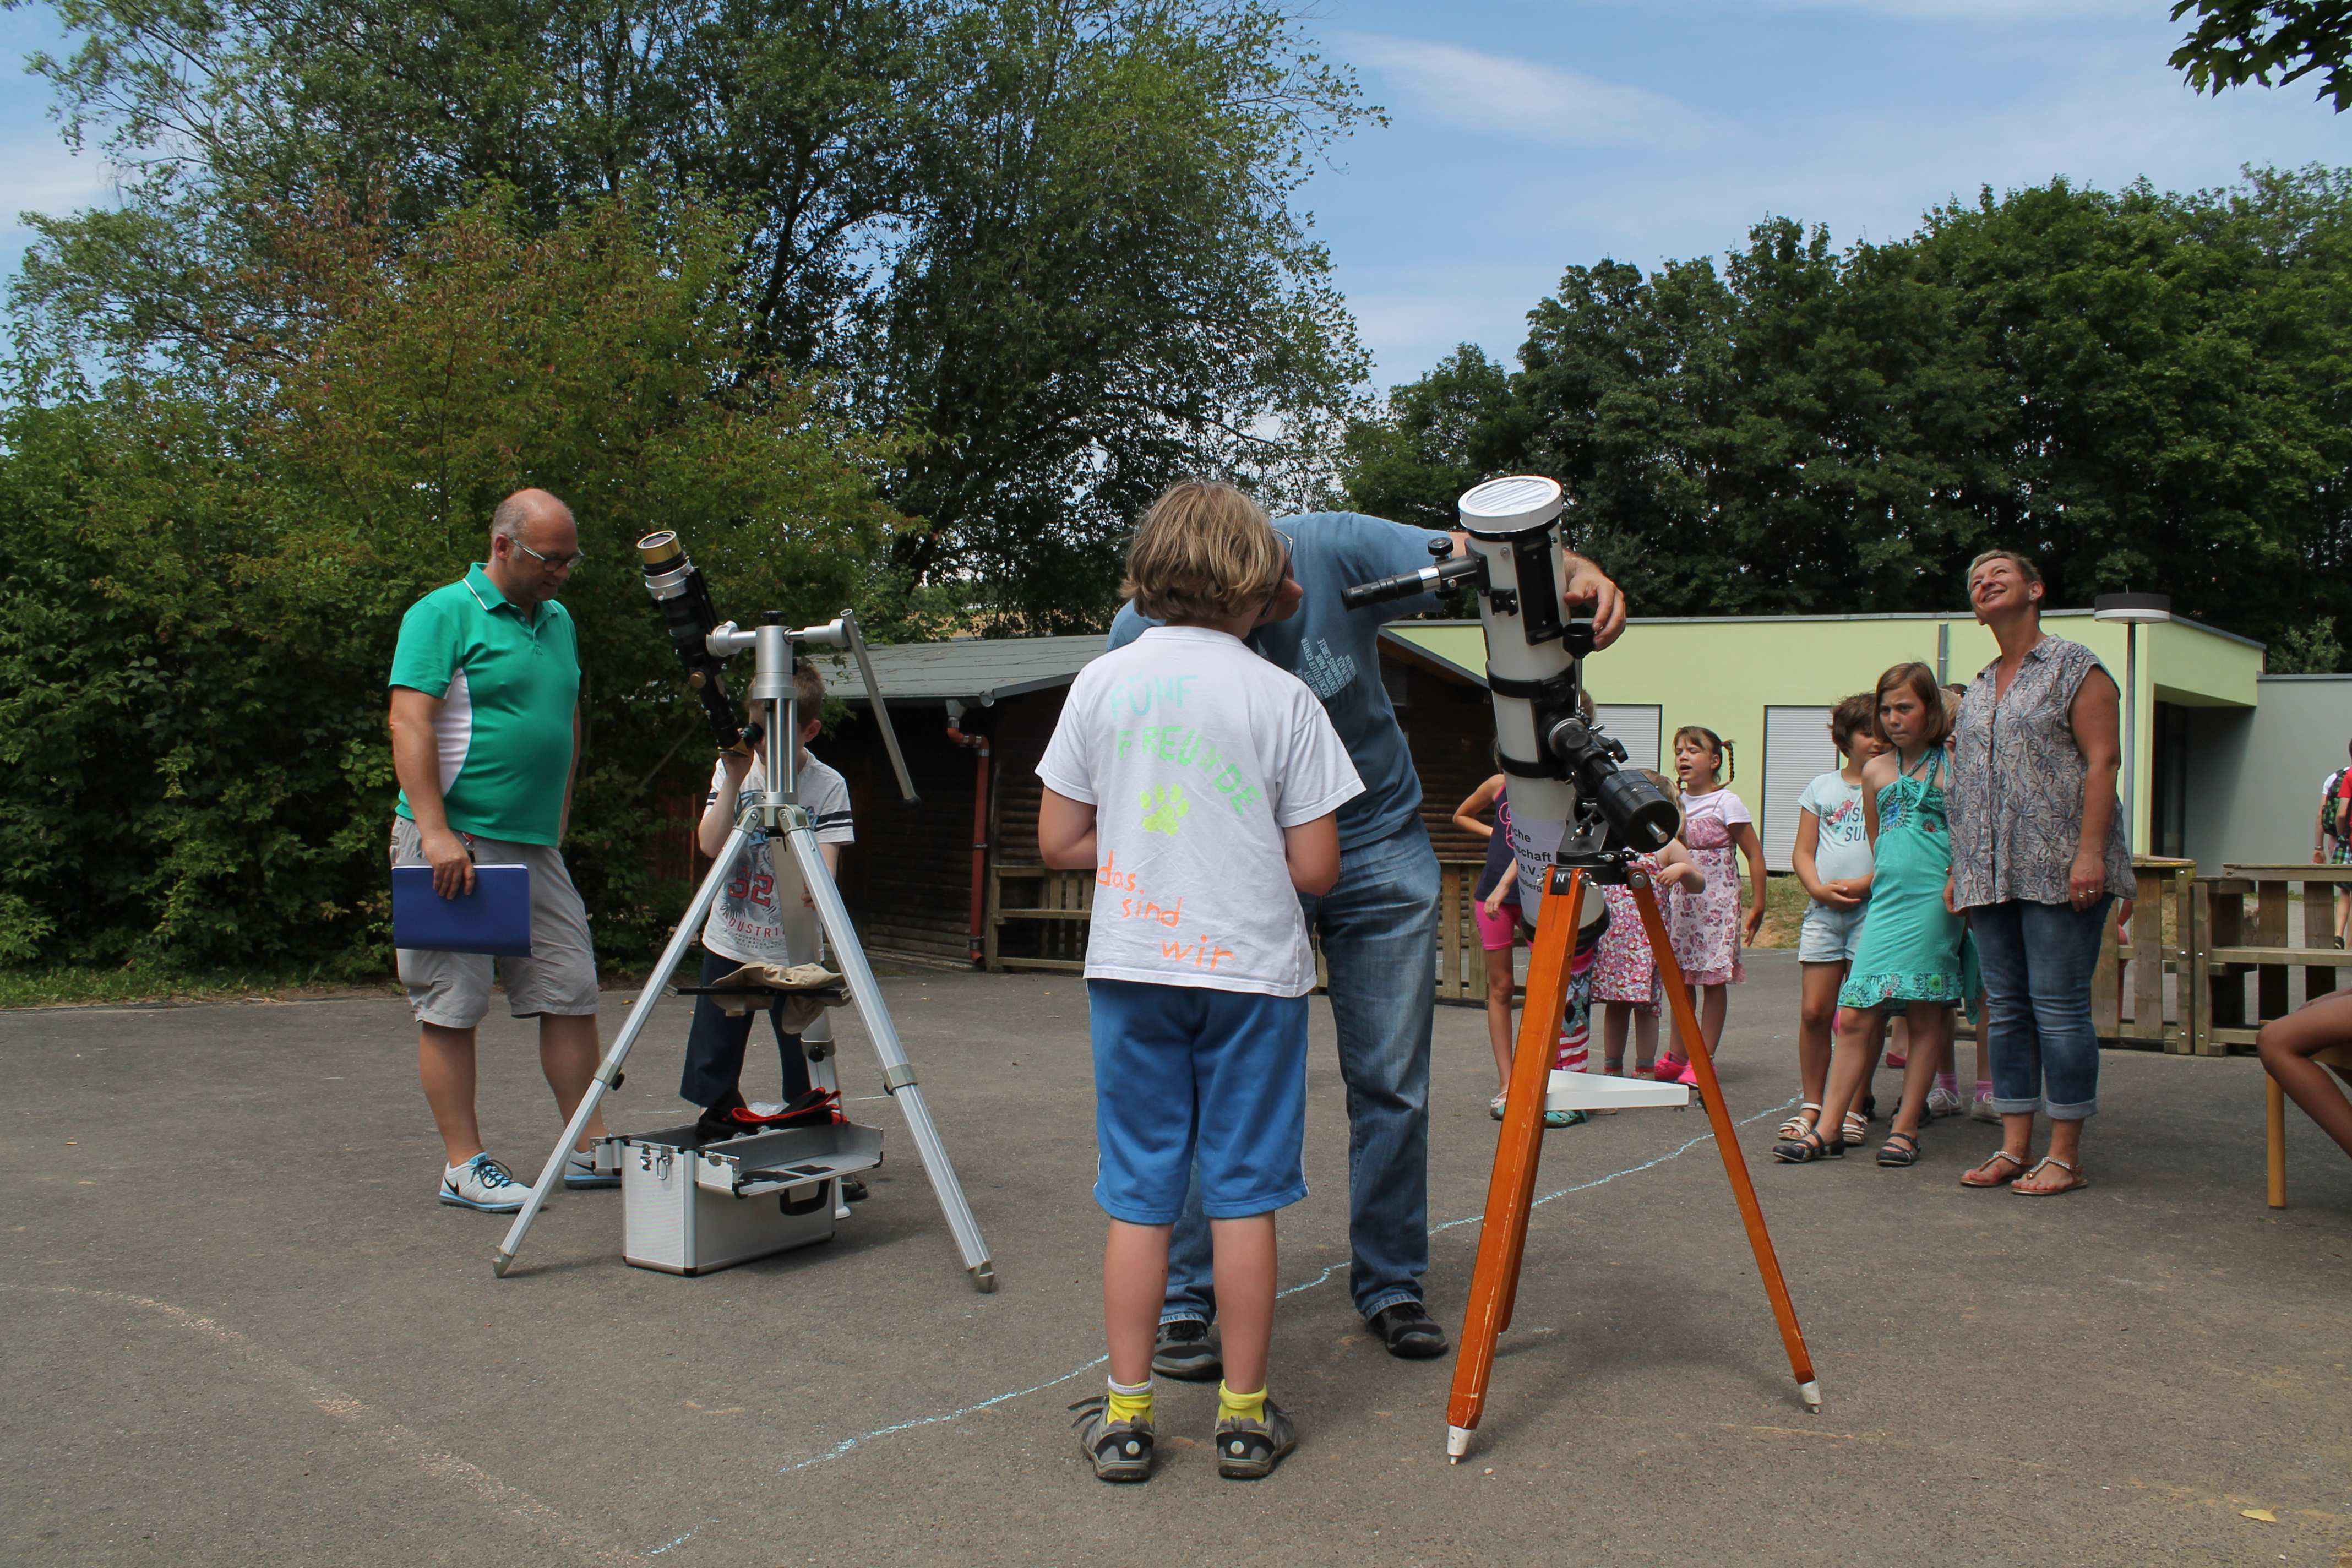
(847, 1443)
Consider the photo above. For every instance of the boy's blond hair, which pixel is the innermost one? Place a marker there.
(1204, 552)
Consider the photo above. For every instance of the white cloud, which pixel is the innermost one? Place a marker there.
(41, 174)
(1525, 97)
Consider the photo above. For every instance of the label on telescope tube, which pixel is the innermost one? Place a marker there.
(1535, 845)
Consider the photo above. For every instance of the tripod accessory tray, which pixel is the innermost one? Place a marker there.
(690, 1208)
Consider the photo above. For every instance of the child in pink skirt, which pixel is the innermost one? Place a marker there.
(1626, 972)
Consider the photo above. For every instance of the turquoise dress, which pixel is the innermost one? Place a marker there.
(1910, 941)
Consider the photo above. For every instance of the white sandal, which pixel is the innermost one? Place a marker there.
(2080, 1181)
(1854, 1130)
(1797, 1126)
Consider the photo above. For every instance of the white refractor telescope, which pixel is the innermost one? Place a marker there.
(1571, 797)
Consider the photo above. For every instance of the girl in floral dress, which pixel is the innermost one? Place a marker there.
(1625, 973)
(1704, 925)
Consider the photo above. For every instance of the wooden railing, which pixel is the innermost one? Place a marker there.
(2237, 938)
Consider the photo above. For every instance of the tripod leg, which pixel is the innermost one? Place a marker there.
(1735, 1165)
(608, 1072)
(898, 1076)
(1503, 1239)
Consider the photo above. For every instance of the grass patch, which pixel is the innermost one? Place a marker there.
(1784, 910)
(87, 986)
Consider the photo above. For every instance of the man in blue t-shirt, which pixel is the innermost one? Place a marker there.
(1378, 927)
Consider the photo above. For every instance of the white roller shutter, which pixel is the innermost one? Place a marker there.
(1797, 751)
(1634, 727)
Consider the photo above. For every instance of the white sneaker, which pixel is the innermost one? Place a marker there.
(580, 1170)
(481, 1182)
(1942, 1101)
(1983, 1112)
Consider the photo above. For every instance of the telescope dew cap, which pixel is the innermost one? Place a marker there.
(1511, 505)
(660, 549)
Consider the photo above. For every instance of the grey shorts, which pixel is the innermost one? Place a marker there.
(452, 990)
(1830, 936)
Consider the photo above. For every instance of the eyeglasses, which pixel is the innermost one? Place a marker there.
(552, 562)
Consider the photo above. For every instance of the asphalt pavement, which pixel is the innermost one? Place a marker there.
(238, 1328)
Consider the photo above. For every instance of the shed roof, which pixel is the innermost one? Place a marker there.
(976, 670)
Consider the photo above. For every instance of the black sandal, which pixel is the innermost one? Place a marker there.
(1895, 1158)
(1810, 1147)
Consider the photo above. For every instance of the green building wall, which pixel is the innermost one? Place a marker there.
(1724, 671)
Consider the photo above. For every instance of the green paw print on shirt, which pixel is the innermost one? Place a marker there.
(1165, 809)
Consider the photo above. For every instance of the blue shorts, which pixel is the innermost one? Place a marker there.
(1184, 1073)
(1830, 935)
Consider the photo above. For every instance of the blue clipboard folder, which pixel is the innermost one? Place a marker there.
(494, 918)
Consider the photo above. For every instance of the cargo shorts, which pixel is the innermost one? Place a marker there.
(452, 990)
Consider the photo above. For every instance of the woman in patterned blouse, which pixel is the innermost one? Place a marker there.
(2038, 853)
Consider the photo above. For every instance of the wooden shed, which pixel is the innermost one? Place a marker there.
(957, 879)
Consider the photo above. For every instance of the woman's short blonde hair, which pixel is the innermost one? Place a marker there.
(1204, 552)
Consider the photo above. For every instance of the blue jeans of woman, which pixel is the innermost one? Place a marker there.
(2037, 960)
(1379, 930)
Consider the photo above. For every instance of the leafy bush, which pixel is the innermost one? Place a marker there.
(201, 580)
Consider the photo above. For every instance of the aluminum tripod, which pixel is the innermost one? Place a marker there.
(1511, 1194)
(778, 811)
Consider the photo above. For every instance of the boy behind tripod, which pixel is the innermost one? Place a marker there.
(1197, 782)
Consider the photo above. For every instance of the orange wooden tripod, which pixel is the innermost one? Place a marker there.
(1511, 1194)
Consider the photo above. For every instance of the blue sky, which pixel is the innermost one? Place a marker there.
(1526, 136)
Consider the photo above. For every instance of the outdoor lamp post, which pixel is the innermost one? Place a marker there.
(2131, 609)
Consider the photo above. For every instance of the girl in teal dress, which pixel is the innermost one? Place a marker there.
(1910, 952)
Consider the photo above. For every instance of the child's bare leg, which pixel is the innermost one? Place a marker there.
(1645, 1039)
(1850, 1066)
(1711, 1015)
(1135, 1284)
(1613, 1015)
(2286, 1045)
(1931, 1037)
(1816, 1011)
(1500, 985)
(1244, 1277)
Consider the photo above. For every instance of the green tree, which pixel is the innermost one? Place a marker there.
(202, 583)
(1434, 438)
(1054, 238)
(2234, 42)
(2141, 390)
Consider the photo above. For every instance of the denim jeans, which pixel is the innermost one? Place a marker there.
(1379, 928)
(2037, 960)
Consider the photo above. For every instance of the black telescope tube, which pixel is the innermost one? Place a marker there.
(1428, 580)
(685, 610)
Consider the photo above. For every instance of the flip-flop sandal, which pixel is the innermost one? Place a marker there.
(1893, 1158)
(1967, 1177)
(1797, 1126)
(2076, 1185)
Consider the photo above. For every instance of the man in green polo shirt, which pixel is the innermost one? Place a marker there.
(485, 735)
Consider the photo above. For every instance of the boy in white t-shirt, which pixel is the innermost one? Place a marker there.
(1833, 861)
(762, 915)
(1197, 782)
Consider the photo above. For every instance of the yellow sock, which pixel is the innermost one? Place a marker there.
(1130, 1403)
(1247, 1406)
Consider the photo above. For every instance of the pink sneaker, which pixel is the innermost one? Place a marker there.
(1669, 1070)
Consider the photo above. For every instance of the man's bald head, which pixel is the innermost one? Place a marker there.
(520, 509)
(533, 546)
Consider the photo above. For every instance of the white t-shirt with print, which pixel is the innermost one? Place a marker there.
(1843, 848)
(758, 916)
(1196, 755)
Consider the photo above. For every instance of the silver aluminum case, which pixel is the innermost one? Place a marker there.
(689, 1210)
